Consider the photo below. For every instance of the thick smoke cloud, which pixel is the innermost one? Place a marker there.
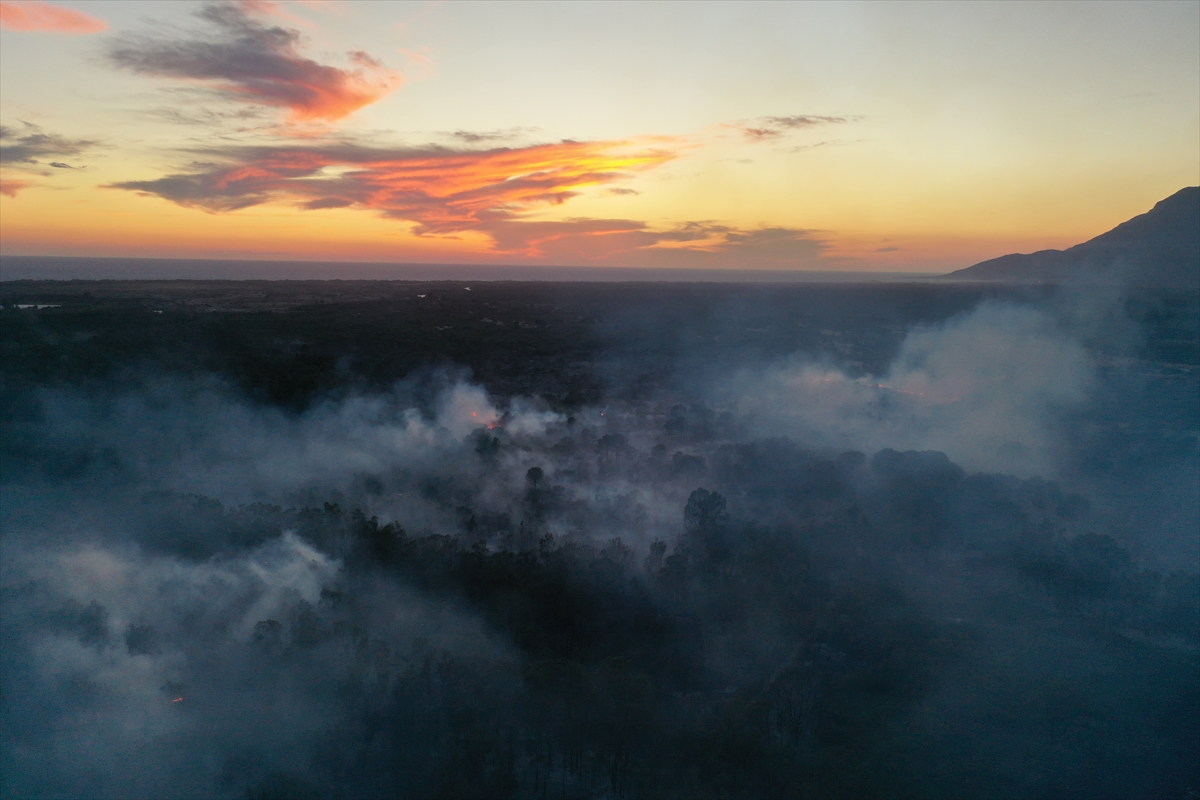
(432, 591)
(987, 388)
(120, 654)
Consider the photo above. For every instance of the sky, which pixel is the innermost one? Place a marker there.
(795, 136)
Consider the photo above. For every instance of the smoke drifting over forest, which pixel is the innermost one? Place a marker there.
(886, 553)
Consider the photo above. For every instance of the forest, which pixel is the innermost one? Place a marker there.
(598, 540)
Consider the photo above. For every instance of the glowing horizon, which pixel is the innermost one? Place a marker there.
(813, 136)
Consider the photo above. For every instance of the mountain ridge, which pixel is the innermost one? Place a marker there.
(1158, 248)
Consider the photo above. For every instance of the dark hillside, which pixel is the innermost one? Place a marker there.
(1158, 248)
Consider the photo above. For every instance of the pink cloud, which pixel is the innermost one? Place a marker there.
(34, 16)
(493, 192)
(246, 59)
(441, 190)
(9, 187)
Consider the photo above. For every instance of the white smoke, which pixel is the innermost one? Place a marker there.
(985, 388)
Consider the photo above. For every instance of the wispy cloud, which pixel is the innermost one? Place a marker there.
(28, 144)
(570, 240)
(245, 118)
(28, 15)
(770, 243)
(421, 61)
(22, 154)
(632, 242)
(9, 187)
(767, 128)
(247, 60)
(502, 135)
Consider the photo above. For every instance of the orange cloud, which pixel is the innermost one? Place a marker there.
(569, 241)
(29, 15)
(633, 243)
(443, 191)
(485, 195)
(9, 186)
(247, 60)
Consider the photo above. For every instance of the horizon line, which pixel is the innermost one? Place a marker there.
(76, 268)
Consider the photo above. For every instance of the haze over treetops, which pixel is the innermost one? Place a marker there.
(848, 136)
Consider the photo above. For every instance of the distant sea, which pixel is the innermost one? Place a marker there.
(66, 268)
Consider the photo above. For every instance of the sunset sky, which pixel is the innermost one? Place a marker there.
(825, 136)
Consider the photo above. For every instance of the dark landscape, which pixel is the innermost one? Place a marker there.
(599, 401)
(366, 539)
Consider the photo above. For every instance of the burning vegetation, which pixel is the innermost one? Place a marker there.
(694, 567)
